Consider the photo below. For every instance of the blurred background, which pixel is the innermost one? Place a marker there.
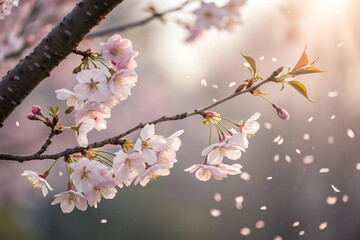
(290, 165)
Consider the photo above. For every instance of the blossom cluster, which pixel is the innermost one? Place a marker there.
(98, 90)
(95, 178)
(5, 7)
(210, 15)
(231, 145)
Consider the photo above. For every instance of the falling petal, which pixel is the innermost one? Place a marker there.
(267, 125)
(324, 170)
(298, 151)
(269, 178)
(245, 176)
(345, 198)
(245, 231)
(340, 44)
(232, 84)
(203, 82)
(17, 123)
(308, 159)
(246, 64)
(331, 139)
(60, 173)
(260, 224)
(331, 200)
(323, 225)
(214, 100)
(288, 158)
(296, 224)
(274, 59)
(332, 117)
(238, 202)
(217, 197)
(103, 221)
(301, 232)
(277, 138)
(281, 141)
(310, 119)
(332, 94)
(215, 212)
(278, 238)
(335, 189)
(358, 166)
(276, 157)
(306, 136)
(263, 208)
(261, 58)
(350, 133)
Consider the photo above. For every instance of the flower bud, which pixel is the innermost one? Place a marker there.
(69, 110)
(30, 39)
(56, 119)
(77, 69)
(240, 88)
(36, 110)
(31, 116)
(210, 114)
(282, 113)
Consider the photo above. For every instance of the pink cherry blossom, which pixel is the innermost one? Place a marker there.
(208, 15)
(144, 144)
(231, 169)
(217, 151)
(251, 126)
(130, 65)
(174, 140)
(247, 129)
(81, 134)
(127, 166)
(69, 200)
(71, 100)
(152, 173)
(86, 174)
(118, 50)
(96, 112)
(167, 156)
(92, 86)
(38, 181)
(105, 189)
(204, 172)
(121, 83)
(231, 8)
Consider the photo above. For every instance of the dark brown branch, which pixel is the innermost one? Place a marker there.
(59, 43)
(155, 15)
(117, 139)
(47, 143)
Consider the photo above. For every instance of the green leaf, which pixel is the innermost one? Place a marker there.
(251, 61)
(300, 88)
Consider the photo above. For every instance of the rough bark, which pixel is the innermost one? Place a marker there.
(59, 43)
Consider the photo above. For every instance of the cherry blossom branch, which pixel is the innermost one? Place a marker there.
(59, 43)
(155, 15)
(47, 142)
(117, 139)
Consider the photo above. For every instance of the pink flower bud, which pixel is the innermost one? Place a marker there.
(36, 110)
(282, 113)
(30, 39)
(56, 119)
(31, 116)
(210, 114)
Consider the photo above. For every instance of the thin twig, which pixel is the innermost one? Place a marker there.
(117, 139)
(155, 15)
(47, 143)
